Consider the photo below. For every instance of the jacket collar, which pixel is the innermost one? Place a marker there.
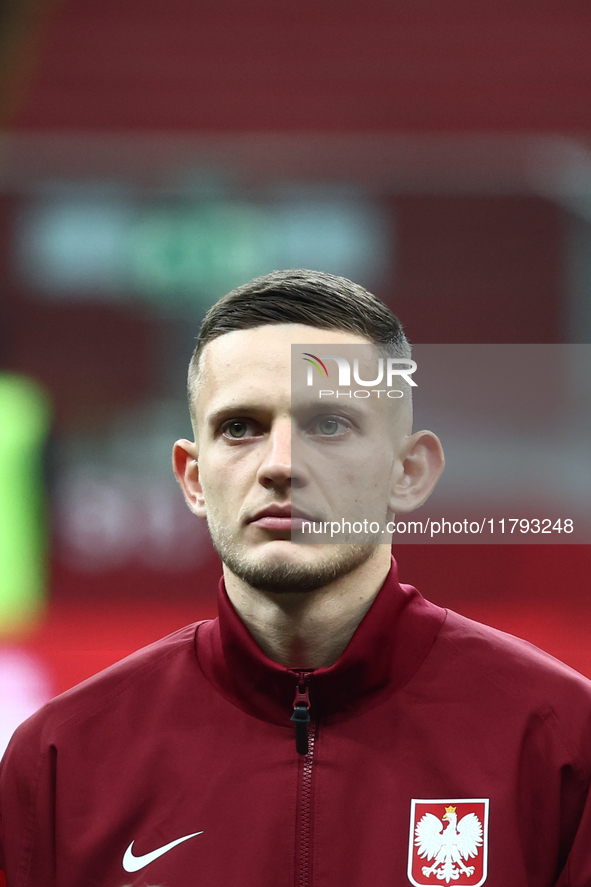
(386, 650)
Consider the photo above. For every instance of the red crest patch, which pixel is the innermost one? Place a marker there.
(448, 842)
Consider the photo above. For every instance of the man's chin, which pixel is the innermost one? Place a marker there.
(283, 567)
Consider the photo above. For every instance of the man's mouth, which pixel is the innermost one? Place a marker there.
(280, 518)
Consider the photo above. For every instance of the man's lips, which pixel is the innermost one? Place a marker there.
(283, 518)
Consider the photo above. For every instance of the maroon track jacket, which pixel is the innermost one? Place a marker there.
(440, 751)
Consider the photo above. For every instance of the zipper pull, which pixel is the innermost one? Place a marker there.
(301, 716)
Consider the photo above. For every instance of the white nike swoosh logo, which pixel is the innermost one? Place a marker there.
(133, 863)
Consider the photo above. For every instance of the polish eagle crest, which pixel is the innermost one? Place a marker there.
(448, 844)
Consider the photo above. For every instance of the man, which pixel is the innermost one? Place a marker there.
(331, 727)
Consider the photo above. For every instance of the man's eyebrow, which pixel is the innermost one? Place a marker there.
(226, 412)
(319, 407)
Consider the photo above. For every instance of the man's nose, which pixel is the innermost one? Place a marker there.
(276, 467)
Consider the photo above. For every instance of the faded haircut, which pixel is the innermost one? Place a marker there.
(313, 298)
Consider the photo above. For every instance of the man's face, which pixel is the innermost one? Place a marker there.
(258, 448)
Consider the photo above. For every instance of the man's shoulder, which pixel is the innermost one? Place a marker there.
(515, 666)
(490, 678)
(136, 676)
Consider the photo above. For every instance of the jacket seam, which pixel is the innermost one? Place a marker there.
(26, 852)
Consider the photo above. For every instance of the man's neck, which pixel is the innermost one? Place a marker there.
(311, 629)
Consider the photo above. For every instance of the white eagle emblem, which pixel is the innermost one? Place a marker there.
(449, 849)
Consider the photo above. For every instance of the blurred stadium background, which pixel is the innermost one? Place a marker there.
(154, 155)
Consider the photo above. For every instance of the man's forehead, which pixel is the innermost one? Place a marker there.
(232, 357)
(272, 338)
(252, 368)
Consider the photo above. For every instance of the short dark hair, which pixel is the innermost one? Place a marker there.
(312, 298)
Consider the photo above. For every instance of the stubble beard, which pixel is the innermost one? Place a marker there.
(282, 577)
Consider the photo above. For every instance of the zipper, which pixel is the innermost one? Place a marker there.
(303, 875)
(301, 713)
(305, 737)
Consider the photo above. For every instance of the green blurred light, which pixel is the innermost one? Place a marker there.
(184, 253)
(24, 422)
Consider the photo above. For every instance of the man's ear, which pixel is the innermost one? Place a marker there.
(422, 464)
(185, 465)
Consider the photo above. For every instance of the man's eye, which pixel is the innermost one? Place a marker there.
(236, 429)
(330, 426)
